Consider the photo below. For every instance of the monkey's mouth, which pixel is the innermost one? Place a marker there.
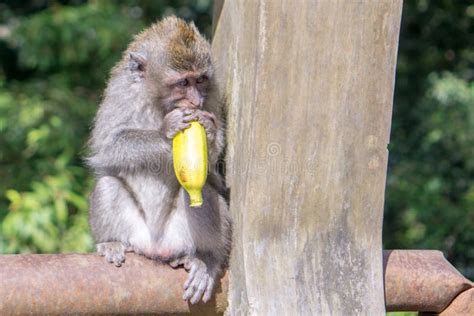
(185, 104)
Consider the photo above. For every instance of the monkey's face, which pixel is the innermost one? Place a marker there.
(185, 90)
(174, 63)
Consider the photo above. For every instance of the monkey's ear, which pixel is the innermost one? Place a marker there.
(137, 61)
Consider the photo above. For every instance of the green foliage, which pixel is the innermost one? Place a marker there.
(74, 38)
(430, 190)
(45, 120)
(402, 314)
(54, 66)
(43, 179)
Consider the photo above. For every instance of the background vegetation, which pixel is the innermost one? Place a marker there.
(54, 60)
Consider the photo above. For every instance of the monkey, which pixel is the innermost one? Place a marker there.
(164, 81)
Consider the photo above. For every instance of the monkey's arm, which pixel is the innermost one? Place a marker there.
(133, 149)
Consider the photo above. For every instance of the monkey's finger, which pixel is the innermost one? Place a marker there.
(177, 128)
(187, 265)
(188, 294)
(210, 131)
(208, 123)
(195, 286)
(190, 279)
(118, 259)
(191, 117)
(198, 114)
(190, 290)
(210, 116)
(101, 249)
(188, 111)
(203, 121)
(199, 291)
(177, 262)
(174, 264)
(209, 289)
(109, 258)
(183, 126)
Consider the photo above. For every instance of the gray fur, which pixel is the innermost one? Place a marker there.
(137, 203)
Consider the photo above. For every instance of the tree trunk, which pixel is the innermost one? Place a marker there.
(309, 89)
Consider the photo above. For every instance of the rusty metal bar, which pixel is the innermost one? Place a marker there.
(86, 284)
(423, 280)
(463, 304)
(415, 280)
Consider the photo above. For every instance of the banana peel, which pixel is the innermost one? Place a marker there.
(190, 161)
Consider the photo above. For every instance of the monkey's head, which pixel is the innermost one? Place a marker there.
(173, 61)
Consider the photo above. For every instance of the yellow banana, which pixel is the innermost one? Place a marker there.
(190, 160)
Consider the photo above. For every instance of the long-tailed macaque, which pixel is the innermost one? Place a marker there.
(163, 82)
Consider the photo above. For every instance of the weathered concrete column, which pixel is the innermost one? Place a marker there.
(309, 88)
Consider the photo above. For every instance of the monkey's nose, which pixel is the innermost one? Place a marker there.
(195, 104)
(195, 98)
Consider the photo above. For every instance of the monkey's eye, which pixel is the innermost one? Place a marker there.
(183, 83)
(201, 79)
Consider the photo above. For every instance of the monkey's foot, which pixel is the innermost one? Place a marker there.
(114, 252)
(200, 283)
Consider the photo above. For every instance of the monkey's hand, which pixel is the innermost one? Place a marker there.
(208, 120)
(114, 252)
(200, 282)
(176, 121)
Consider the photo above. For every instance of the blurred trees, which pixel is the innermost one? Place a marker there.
(55, 57)
(430, 188)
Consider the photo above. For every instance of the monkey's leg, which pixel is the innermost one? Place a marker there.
(212, 245)
(197, 238)
(116, 220)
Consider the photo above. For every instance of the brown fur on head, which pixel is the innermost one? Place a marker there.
(173, 42)
(188, 48)
(174, 59)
